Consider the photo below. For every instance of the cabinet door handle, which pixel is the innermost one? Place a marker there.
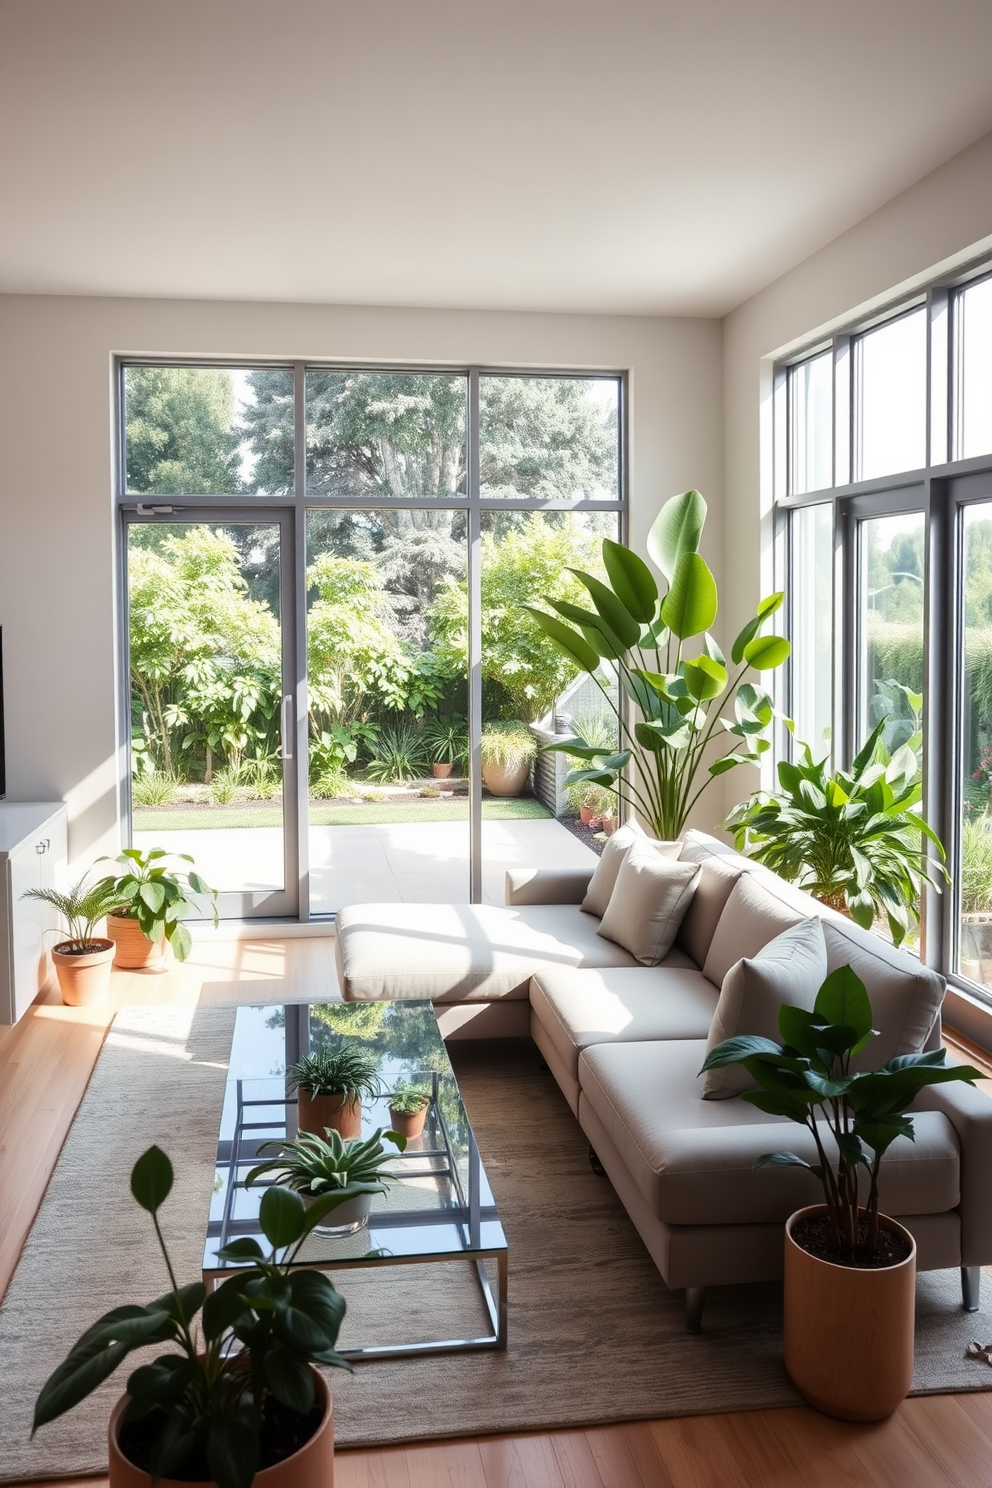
(43, 845)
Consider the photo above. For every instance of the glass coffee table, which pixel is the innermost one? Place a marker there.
(439, 1209)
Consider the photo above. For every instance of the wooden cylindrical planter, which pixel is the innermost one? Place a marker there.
(409, 1124)
(314, 1113)
(85, 979)
(135, 952)
(506, 780)
(847, 1332)
(311, 1467)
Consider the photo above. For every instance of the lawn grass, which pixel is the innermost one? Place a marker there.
(205, 818)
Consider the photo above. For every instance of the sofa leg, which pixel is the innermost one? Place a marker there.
(595, 1163)
(694, 1299)
(971, 1282)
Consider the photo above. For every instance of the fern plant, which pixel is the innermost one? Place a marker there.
(81, 908)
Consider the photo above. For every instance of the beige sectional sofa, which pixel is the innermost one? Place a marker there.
(625, 1042)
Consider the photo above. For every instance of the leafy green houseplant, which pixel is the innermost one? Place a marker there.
(330, 1084)
(854, 839)
(445, 743)
(151, 898)
(83, 959)
(313, 1166)
(849, 1271)
(213, 1407)
(680, 698)
(508, 750)
(408, 1107)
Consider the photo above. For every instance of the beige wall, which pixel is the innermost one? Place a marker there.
(57, 528)
(938, 224)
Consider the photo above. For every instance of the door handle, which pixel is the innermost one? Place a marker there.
(288, 721)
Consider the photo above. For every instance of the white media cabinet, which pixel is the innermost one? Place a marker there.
(32, 856)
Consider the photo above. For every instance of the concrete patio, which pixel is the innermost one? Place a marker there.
(415, 862)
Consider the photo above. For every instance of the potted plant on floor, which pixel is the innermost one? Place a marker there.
(83, 960)
(850, 1272)
(236, 1402)
(408, 1107)
(150, 899)
(313, 1167)
(853, 838)
(508, 751)
(329, 1085)
(446, 743)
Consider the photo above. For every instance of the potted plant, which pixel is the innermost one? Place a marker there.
(83, 960)
(314, 1166)
(508, 751)
(408, 1107)
(851, 838)
(635, 631)
(236, 1401)
(850, 1272)
(446, 743)
(149, 900)
(329, 1085)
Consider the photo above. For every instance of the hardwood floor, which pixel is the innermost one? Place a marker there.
(938, 1441)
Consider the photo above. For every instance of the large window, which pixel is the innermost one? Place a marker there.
(890, 572)
(324, 580)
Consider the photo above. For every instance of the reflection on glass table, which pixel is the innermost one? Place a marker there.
(439, 1206)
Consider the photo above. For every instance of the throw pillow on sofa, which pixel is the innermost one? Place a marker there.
(604, 879)
(791, 968)
(649, 899)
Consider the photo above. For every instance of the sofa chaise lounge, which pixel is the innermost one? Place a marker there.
(625, 1042)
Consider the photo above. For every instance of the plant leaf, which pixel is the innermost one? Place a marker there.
(690, 606)
(632, 580)
(151, 1179)
(675, 531)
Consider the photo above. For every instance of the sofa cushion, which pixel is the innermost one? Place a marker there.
(604, 879)
(716, 881)
(905, 995)
(649, 898)
(789, 969)
(755, 912)
(620, 1004)
(693, 1161)
(462, 952)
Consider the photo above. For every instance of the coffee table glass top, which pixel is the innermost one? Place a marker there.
(440, 1206)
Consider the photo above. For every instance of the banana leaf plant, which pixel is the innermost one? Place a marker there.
(810, 1073)
(682, 700)
(851, 838)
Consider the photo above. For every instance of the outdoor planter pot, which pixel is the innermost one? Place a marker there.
(312, 1466)
(442, 769)
(847, 1331)
(506, 780)
(84, 978)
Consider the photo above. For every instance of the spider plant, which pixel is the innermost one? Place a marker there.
(409, 1097)
(350, 1071)
(852, 838)
(507, 744)
(313, 1165)
(397, 755)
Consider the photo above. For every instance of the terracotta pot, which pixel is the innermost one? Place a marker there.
(848, 1333)
(134, 950)
(84, 980)
(588, 817)
(311, 1467)
(316, 1112)
(409, 1124)
(442, 769)
(609, 825)
(506, 780)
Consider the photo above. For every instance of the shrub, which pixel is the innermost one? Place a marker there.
(157, 789)
(397, 755)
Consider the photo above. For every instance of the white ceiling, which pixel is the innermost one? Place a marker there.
(637, 156)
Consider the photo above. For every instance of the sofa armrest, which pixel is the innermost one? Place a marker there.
(969, 1111)
(546, 885)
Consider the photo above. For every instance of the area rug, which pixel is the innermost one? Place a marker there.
(594, 1335)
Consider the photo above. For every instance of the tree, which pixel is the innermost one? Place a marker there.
(518, 562)
(179, 435)
(546, 437)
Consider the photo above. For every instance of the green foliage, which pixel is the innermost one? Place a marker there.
(155, 789)
(398, 754)
(445, 741)
(810, 1072)
(179, 437)
(854, 838)
(313, 1166)
(80, 907)
(259, 1332)
(344, 1069)
(157, 896)
(641, 633)
(545, 437)
(508, 744)
(331, 785)
(976, 866)
(409, 1097)
(536, 556)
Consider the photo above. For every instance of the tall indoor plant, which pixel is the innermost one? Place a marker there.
(854, 839)
(238, 1400)
(150, 898)
(680, 699)
(849, 1270)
